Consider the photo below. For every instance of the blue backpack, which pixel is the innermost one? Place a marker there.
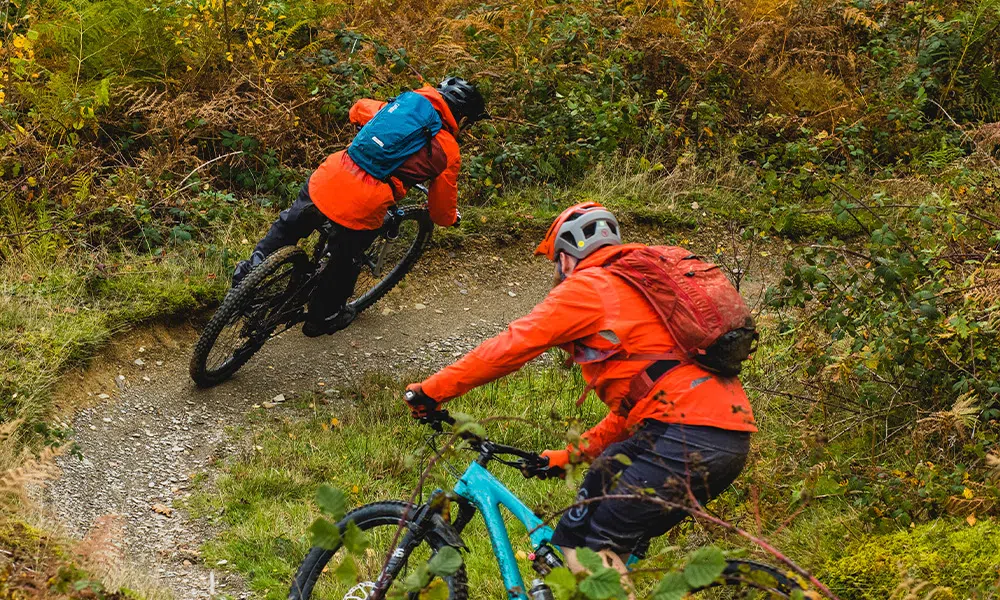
(401, 128)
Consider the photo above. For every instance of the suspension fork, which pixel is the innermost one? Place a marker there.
(466, 510)
(416, 531)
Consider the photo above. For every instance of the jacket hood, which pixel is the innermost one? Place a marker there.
(607, 254)
(447, 119)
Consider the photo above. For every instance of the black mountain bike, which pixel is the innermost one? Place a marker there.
(429, 527)
(273, 296)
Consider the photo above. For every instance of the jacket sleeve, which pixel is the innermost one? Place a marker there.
(363, 111)
(611, 429)
(572, 310)
(442, 198)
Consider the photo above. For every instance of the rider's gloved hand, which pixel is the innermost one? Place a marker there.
(557, 458)
(421, 405)
(458, 219)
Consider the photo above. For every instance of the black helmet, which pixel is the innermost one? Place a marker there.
(463, 99)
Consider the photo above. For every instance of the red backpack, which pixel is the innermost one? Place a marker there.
(704, 312)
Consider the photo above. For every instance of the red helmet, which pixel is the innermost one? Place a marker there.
(580, 230)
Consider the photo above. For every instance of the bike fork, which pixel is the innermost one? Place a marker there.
(413, 537)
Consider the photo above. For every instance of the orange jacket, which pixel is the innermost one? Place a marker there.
(351, 197)
(594, 315)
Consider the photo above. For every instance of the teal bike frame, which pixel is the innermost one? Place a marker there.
(487, 494)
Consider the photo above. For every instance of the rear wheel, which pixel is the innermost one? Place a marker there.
(380, 521)
(266, 301)
(389, 259)
(747, 579)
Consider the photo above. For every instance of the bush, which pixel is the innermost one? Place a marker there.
(874, 568)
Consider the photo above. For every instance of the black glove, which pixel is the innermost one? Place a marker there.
(540, 468)
(458, 219)
(421, 405)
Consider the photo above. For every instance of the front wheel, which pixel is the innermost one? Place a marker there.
(391, 256)
(380, 521)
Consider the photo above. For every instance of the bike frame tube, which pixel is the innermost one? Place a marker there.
(488, 494)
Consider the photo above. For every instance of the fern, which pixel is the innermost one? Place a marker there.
(915, 589)
(855, 16)
(13, 482)
(81, 187)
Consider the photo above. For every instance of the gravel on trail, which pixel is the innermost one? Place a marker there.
(148, 431)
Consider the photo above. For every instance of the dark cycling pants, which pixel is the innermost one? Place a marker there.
(664, 457)
(301, 219)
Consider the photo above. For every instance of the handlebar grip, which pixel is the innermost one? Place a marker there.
(436, 418)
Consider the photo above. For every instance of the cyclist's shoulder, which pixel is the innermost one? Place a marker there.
(588, 288)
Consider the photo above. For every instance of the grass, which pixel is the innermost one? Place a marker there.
(61, 302)
(53, 317)
(364, 442)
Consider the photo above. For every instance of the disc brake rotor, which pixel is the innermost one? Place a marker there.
(361, 591)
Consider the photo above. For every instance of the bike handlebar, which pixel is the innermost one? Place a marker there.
(531, 464)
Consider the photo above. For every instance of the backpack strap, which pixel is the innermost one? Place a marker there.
(641, 384)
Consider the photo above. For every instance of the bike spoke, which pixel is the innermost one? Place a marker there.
(383, 256)
(254, 321)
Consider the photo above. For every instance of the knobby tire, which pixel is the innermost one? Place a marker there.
(232, 307)
(378, 514)
(748, 575)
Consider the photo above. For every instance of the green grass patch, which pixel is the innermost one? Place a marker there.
(56, 316)
(962, 559)
(366, 444)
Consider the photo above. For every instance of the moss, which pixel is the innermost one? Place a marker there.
(946, 553)
(19, 537)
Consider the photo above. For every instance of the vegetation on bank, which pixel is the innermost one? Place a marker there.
(851, 145)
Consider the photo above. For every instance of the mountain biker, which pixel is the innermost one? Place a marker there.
(690, 425)
(341, 192)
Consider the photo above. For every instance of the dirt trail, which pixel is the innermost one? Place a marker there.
(149, 431)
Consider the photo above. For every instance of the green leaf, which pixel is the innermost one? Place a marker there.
(355, 540)
(562, 581)
(445, 562)
(467, 424)
(590, 559)
(417, 579)
(623, 459)
(331, 501)
(31, 34)
(605, 583)
(673, 586)
(325, 534)
(437, 590)
(102, 95)
(704, 566)
(347, 571)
